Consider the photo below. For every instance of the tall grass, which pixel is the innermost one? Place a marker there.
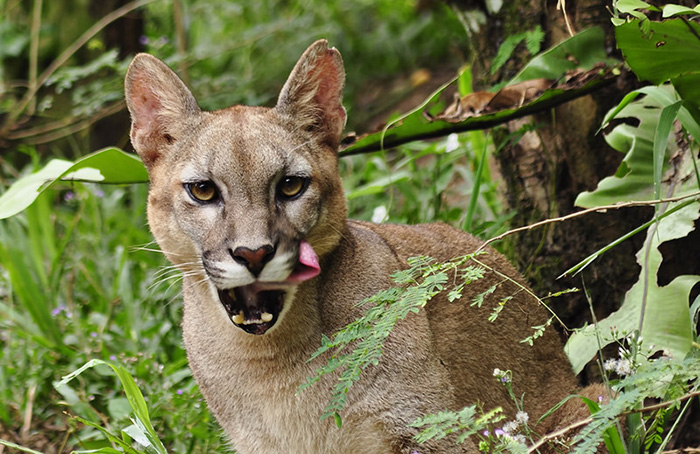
(79, 283)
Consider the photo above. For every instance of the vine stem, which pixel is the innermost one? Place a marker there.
(599, 209)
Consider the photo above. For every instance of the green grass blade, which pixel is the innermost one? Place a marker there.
(133, 395)
(9, 444)
(29, 294)
(473, 201)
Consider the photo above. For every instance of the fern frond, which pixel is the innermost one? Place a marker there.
(359, 345)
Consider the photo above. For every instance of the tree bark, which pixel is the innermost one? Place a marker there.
(563, 156)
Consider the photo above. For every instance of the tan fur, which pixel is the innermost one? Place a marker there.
(441, 358)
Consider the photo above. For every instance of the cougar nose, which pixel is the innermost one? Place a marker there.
(253, 259)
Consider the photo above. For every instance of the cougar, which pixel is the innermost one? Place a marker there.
(248, 203)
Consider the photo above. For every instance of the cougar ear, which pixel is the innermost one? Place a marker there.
(312, 96)
(159, 103)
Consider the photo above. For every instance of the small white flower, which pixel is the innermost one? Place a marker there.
(522, 417)
(379, 214)
(452, 143)
(496, 372)
(510, 427)
(520, 438)
(623, 367)
(610, 364)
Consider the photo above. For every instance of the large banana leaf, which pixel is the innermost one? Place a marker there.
(660, 313)
(662, 51)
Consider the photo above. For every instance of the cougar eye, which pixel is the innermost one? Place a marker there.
(290, 187)
(202, 191)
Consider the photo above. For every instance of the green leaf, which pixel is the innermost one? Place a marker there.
(379, 185)
(338, 420)
(611, 437)
(667, 51)
(505, 50)
(634, 179)
(661, 138)
(673, 10)
(584, 50)
(9, 444)
(111, 165)
(133, 394)
(110, 437)
(663, 311)
(628, 6)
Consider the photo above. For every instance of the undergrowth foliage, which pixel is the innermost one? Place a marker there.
(365, 337)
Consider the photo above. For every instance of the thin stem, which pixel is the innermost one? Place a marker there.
(524, 288)
(34, 51)
(600, 209)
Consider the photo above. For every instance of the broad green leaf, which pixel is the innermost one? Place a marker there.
(672, 10)
(667, 51)
(111, 165)
(663, 311)
(627, 6)
(634, 179)
(582, 51)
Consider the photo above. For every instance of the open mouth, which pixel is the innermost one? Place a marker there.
(255, 308)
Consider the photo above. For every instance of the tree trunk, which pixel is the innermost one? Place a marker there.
(563, 156)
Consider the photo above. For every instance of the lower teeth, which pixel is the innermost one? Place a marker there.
(239, 319)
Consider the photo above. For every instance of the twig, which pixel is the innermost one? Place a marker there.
(28, 412)
(558, 433)
(524, 288)
(57, 129)
(181, 38)
(600, 209)
(34, 49)
(561, 5)
(583, 422)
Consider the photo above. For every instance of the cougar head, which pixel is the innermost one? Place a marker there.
(246, 199)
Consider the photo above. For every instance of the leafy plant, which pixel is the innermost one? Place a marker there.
(532, 39)
(658, 314)
(365, 337)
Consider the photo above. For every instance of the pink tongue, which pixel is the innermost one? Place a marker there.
(308, 264)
